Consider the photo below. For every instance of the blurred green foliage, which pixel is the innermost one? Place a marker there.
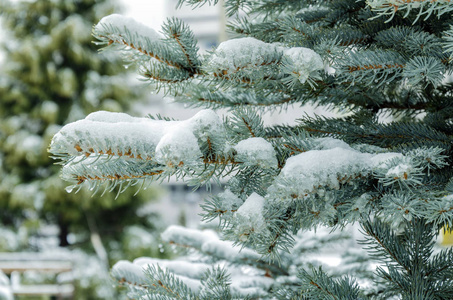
(53, 74)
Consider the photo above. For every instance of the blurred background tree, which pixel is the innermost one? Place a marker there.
(53, 74)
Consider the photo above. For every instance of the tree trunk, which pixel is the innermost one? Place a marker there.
(63, 235)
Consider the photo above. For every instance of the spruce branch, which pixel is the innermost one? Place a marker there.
(425, 8)
(149, 53)
(371, 66)
(448, 42)
(384, 245)
(427, 69)
(196, 3)
(165, 283)
(233, 97)
(409, 258)
(216, 284)
(265, 31)
(320, 286)
(381, 135)
(219, 250)
(112, 30)
(178, 31)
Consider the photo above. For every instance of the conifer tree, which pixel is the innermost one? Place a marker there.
(371, 59)
(52, 75)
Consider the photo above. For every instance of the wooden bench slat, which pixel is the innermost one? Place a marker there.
(16, 263)
(32, 256)
(43, 289)
(21, 266)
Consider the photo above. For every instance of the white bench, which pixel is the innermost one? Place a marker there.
(14, 264)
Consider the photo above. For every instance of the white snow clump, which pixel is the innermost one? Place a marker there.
(178, 146)
(233, 55)
(132, 272)
(256, 151)
(171, 143)
(326, 167)
(249, 217)
(181, 267)
(185, 236)
(229, 202)
(304, 61)
(242, 52)
(125, 25)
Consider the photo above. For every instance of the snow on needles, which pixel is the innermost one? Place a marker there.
(236, 54)
(229, 202)
(181, 267)
(125, 25)
(304, 61)
(179, 145)
(187, 236)
(326, 167)
(242, 52)
(250, 216)
(256, 151)
(209, 242)
(169, 143)
(245, 280)
(136, 274)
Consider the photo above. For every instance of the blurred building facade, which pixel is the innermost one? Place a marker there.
(208, 23)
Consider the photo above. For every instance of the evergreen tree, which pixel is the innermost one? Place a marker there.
(371, 59)
(53, 75)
